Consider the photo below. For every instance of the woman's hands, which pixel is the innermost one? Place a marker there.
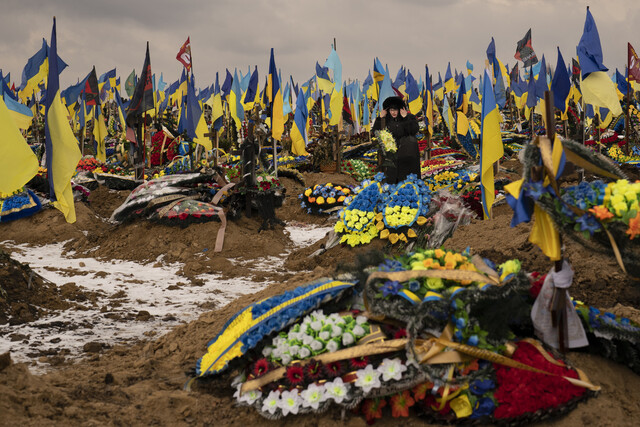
(403, 112)
(383, 113)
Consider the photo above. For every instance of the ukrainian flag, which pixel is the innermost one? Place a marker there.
(413, 95)
(18, 163)
(597, 88)
(299, 128)
(449, 82)
(491, 148)
(275, 100)
(62, 152)
(235, 102)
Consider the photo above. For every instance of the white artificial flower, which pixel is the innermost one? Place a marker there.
(304, 352)
(411, 361)
(359, 331)
(360, 320)
(347, 339)
(368, 379)
(313, 396)
(307, 339)
(294, 349)
(289, 402)
(335, 317)
(391, 369)
(318, 315)
(316, 326)
(249, 397)
(337, 390)
(285, 359)
(316, 345)
(336, 331)
(324, 335)
(278, 341)
(266, 352)
(332, 346)
(238, 379)
(272, 402)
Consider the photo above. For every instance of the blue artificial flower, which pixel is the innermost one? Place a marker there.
(391, 287)
(414, 285)
(610, 315)
(588, 223)
(458, 336)
(473, 340)
(480, 387)
(454, 305)
(460, 323)
(483, 407)
(535, 190)
(624, 321)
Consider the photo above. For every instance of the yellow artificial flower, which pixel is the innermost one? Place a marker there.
(308, 192)
(411, 234)
(384, 234)
(421, 220)
(380, 226)
(393, 238)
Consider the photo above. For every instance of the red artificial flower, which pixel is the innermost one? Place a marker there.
(295, 375)
(359, 362)
(519, 392)
(372, 409)
(183, 215)
(313, 369)
(400, 404)
(536, 286)
(261, 367)
(420, 391)
(334, 369)
(400, 333)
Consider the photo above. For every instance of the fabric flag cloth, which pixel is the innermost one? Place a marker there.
(235, 102)
(597, 88)
(499, 88)
(274, 95)
(142, 99)
(324, 81)
(100, 133)
(184, 54)
(130, 84)
(21, 115)
(333, 63)
(226, 85)
(193, 110)
(299, 139)
(491, 148)
(62, 151)
(449, 82)
(560, 85)
(217, 110)
(413, 95)
(18, 163)
(428, 101)
(524, 51)
(252, 90)
(91, 93)
(634, 64)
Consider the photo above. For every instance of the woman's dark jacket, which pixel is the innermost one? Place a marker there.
(404, 130)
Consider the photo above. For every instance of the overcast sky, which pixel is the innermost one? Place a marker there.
(240, 33)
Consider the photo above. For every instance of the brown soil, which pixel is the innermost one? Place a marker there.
(142, 384)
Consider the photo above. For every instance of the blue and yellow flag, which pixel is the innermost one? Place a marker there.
(299, 127)
(561, 85)
(413, 94)
(274, 95)
(428, 101)
(18, 163)
(235, 104)
(597, 88)
(62, 152)
(449, 82)
(491, 148)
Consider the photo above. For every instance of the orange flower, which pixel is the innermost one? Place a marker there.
(431, 263)
(439, 253)
(601, 212)
(634, 226)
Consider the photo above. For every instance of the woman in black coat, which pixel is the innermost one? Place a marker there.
(403, 126)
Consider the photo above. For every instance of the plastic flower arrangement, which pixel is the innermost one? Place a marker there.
(435, 166)
(356, 221)
(385, 211)
(618, 155)
(320, 198)
(387, 141)
(87, 163)
(358, 169)
(266, 182)
(315, 335)
(455, 181)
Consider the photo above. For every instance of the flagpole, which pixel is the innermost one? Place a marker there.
(627, 123)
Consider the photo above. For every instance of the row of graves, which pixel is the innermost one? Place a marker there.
(413, 329)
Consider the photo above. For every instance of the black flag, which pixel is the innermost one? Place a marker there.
(142, 99)
(91, 89)
(524, 51)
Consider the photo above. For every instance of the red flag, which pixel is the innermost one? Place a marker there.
(634, 64)
(184, 55)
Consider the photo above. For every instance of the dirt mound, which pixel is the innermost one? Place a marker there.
(26, 296)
